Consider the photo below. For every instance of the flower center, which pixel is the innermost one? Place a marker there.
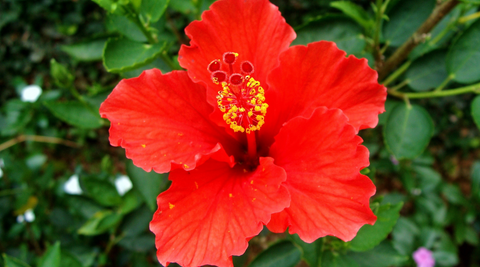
(242, 99)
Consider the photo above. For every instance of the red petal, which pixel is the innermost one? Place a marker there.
(253, 29)
(321, 75)
(160, 119)
(329, 196)
(209, 214)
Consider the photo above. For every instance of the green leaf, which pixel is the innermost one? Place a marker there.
(407, 131)
(108, 5)
(126, 27)
(86, 51)
(75, 113)
(370, 236)
(69, 260)
(61, 76)
(464, 55)
(343, 31)
(405, 19)
(130, 201)
(310, 251)
(383, 255)
(389, 106)
(13, 262)
(149, 184)
(103, 192)
(427, 72)
(476, 110)
(404, 234)
(52, 256)
(153, 9)
(122, 55)
(355, 12)
(429, 179)
(283, 253)
(332, 259)
(475, 177)
(101, 222)
(453, 194)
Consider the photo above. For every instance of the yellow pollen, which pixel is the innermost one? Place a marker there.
(230, 195)
(185, 166)
(143, 145)
(196, 185)
(171, 206)
(243, 105)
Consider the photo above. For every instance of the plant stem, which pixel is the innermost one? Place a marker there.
(135, 19)
(474, 88)
(444, 83)
(400, 85)
(37, 138)
(402, 52)
(376, 34)
(397, 73)
(469, 17)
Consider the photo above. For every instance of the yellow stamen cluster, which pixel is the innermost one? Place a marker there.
(244, 105)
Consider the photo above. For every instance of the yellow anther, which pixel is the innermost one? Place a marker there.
(250, 113)
(257, 108)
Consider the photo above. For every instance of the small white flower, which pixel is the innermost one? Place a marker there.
(123, 184)
(31, 93)
(29, 215)
(72, 186)
(20, 218)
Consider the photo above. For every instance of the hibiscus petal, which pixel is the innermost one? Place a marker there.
(322, 161)
(160, 119)
(320, 75)
(253, 29)
(209, 214)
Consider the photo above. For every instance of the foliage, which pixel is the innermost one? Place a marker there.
(424, 153)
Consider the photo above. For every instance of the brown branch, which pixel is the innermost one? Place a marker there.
(37, 138)
(402, 52)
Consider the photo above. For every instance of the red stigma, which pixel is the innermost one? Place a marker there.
(247, 67)
(214, 65)
(219, 76)
(236, 79)
(229, 57)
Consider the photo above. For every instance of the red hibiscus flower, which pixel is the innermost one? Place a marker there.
(254, 133)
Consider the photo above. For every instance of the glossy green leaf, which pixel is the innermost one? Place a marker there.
(60, 74)
(130, 201)
(427, 72)
(370, 236)
(13, 262)
(383, 255)
(87, 51)
(310, 251)
(355, 12)
(476, 110)
(428, 178)
(52, 256)
(126, 27)
(103, 192)
(283, 253)
(75, 113)
(108, 5)
(100, 223)
(464, 55)
(389, 106)
(149, 184)
(153, 9)
(343, 31)
(405, 19)
(407, 131)
(453, 194)
(123, 55)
